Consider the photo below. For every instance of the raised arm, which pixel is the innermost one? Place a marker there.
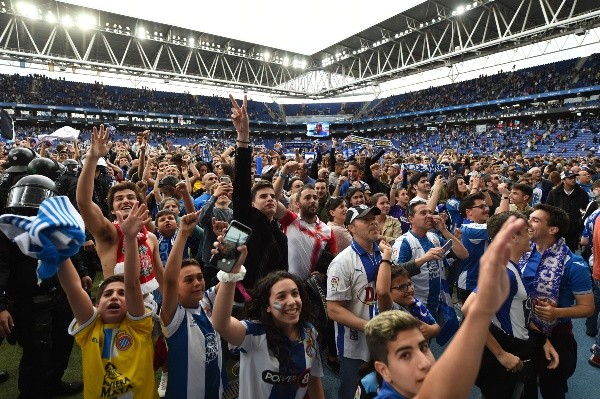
(230, 328)
(138, 216)
(384, 278)
(171, 274)
(94, 220)
(79, 300)
(242, 202)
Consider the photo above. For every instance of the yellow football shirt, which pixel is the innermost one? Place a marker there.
(117, 358)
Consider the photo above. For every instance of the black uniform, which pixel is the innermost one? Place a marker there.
(41, 315)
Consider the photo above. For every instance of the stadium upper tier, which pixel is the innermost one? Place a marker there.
(41, 90)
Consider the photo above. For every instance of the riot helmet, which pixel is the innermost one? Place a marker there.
(19, 158)
(45, 167)
(28, 193)
(71, 166)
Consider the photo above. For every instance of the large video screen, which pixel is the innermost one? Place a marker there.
(317, 129)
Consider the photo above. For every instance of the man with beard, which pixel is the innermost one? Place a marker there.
(307, 235)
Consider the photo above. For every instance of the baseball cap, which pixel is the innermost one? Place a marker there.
(567, 173)
(359, 212)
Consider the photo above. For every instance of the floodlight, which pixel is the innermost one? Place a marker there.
(460, 10)
(141, 33)
(267, 56)
(86, 21)
(67, 21)
(28, 10)
(286, 61)
(468, 7)
(51, 17)
(191, 41)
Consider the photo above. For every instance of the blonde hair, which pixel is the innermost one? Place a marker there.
(385, 328)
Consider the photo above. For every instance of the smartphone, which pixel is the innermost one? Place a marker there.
(237, 234)
(225, 179)
(447, 247)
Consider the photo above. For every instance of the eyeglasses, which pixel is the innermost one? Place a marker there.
(482, 206)
(403, 287)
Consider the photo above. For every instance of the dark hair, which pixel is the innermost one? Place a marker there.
(105, 283)
(355, 164)
(278, 343)
(321, 181)
(164, 212)
(191, 262)
(167, 199)
(413, 205)
(228, 170)
(331, 204)
(452, 188)
(414, 179)
(375, 197)
(304, 187)
(398, 270)
(557, 217)
(524, 188)
(468, 202)
(294, 180)
(125, 185)
(495, 222)
(260, 185)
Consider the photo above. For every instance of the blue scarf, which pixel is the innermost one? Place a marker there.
(546, 282)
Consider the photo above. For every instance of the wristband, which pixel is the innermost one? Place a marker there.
(505, 198)
(231, 277)
(386, 261)
(483, 190)
(243, 142)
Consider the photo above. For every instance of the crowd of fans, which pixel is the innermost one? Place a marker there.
(357, 257)
(311, 218)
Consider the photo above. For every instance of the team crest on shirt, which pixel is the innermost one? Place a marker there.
(212, 347)
(310, 344)
(334, 283)
(123, 341)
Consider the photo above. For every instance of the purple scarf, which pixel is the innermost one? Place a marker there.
(546, 282)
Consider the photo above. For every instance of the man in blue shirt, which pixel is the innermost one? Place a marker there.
(475, 213)
(559, 284)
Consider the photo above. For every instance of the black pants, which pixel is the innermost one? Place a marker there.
(553, 383)
(42, 333)
(493, 379)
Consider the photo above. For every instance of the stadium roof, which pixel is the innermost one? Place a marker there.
(199, 46)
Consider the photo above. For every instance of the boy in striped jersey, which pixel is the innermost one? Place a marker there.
(195, 354)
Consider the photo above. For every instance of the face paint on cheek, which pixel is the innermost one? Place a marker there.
(278, 306)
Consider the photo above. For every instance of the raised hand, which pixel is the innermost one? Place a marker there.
(239, 117)
(101, 144)
(182, 188)
(493, 284)
(188, 223)
(138, 216)
(219, 227)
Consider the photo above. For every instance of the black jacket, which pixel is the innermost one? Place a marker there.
(267, 246)
(573, 204)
